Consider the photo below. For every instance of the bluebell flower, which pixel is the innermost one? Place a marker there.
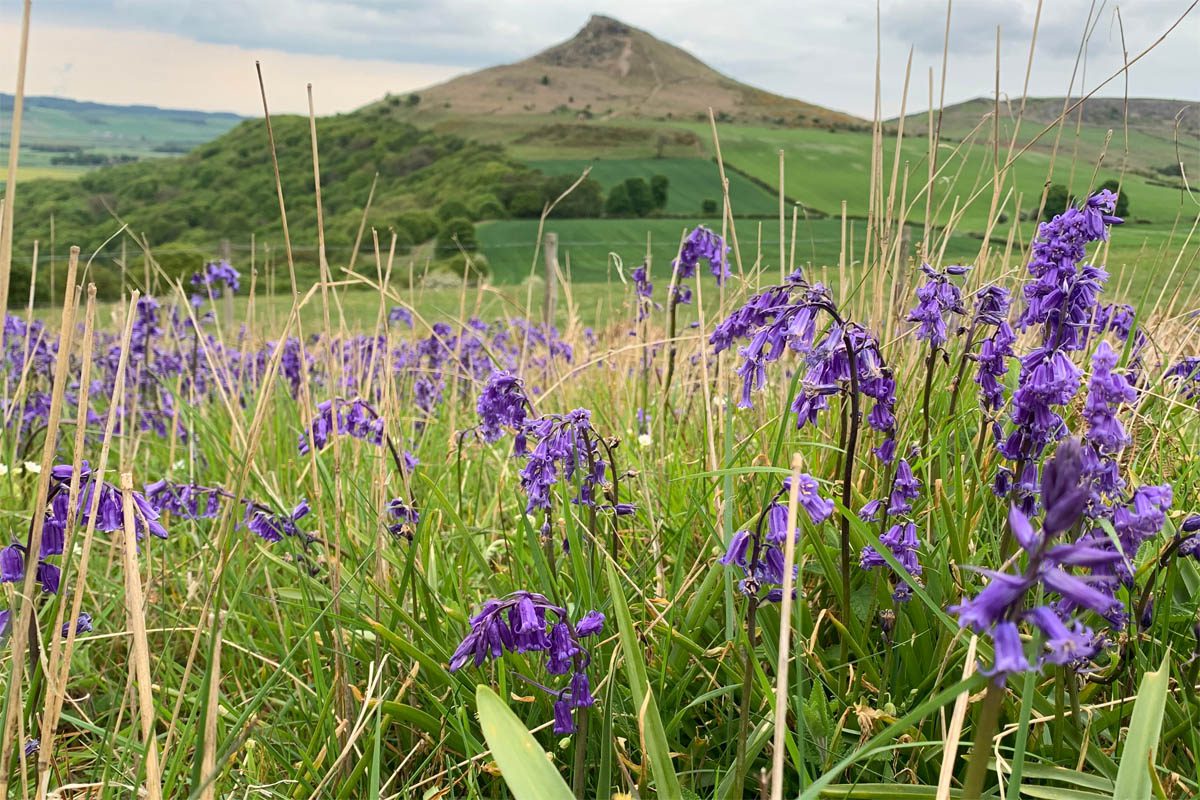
(1001, 605)
(502, 404)
(938, 300)
(518, 624)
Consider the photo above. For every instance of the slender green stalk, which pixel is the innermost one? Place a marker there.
(985, 729)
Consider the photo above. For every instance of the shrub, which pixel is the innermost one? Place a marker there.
(1057, 198)
(421, 226)
(618, 203)
(584, 202)
(659, 188)
(526, 204)
(453, 209)
(709, 206)
(641, 199)
(455, 234)
(489, 207)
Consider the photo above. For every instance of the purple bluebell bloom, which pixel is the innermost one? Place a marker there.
(759, 556)
(1000, 605)
(938, 300)
(502, 404)
(700, 244)
(518, 624)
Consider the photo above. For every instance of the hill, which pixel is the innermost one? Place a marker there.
(70, 136)
(1162, 133)
(611, 70)
(225, 190)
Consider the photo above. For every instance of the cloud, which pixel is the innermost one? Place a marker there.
(131, 67)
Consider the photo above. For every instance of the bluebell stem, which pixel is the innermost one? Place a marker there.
(526, 622)
(844, 358)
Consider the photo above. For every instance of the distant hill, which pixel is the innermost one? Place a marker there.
(1162, 133)
(61, 136)
(611, 70)
(1150, 115)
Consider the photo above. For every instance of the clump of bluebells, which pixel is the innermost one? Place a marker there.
(399, 315)
(761, 557)
(403, 518)
(841, 357)
(354, 417)
(59, 516)
(555, 447)
(271, 526)
(502, 404)
(939, 300)
(185, 500)
(991, 311)
(644, 290)
(214, 280)
(700, 245)
(1061, 303)
(526, 622)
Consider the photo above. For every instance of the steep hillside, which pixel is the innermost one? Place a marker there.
(610, 70)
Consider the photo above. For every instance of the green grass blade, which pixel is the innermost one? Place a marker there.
(1133, 776)
(657, 749)
(524, 764)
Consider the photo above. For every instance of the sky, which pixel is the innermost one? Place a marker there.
(200, 54)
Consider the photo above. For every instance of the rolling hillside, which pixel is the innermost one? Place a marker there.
(226, 190)
(67, 137)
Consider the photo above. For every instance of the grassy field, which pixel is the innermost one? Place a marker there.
(825, 168)
(693, 181)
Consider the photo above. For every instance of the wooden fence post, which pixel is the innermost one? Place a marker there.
(550, 300)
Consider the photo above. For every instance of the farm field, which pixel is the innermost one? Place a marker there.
(692, 182)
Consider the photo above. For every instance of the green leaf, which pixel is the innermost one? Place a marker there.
(657, 749)
(523, 763)
(1137, 758)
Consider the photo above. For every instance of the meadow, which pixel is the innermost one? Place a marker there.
(357, 582)
(816, 505)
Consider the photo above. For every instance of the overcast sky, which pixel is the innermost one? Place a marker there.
(200, 53)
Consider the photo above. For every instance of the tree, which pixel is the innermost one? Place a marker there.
(456, 233)
(1057, 199)
(1115, 187)
(526, 204)
(618, 203)
(659, 187)
(584, 202)
(641, 200)
(709, 206)
(420, 225)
